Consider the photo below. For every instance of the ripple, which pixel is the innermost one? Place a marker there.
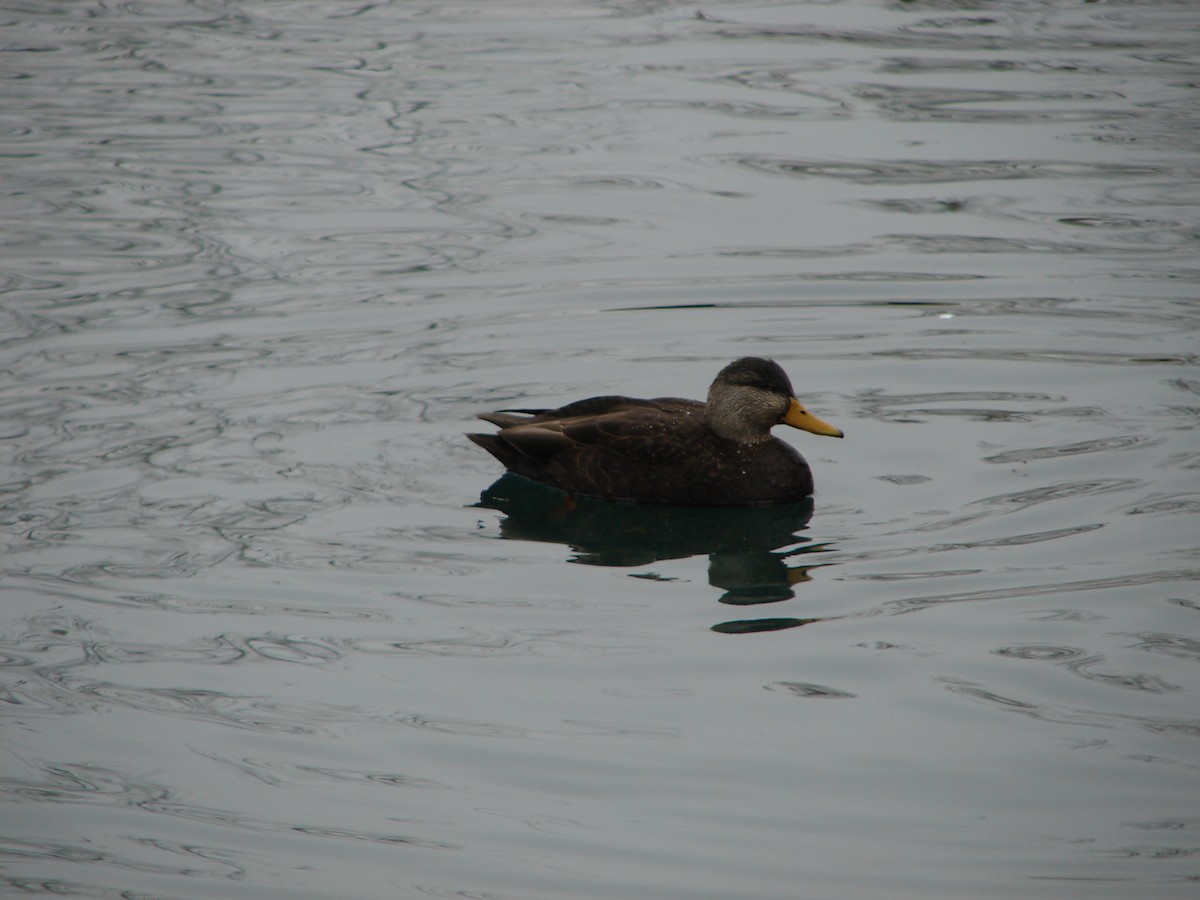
(1082, 663)
(904, 479)
(292, 650)
(878, 398)
(179, 564)
(959, 34)
(264, 517)
(1065, 615)
(939, 171)
(194, 861)
(1175, 504)
(242, 712)
(1170, 644)
(1134, 681)
(230, 818)
(250, 606)
(1155, 852)
(1044, 653)
(912, 576)
(810, 691)
(1098, 445)
(571, 731)
(903, 407)
(915, 604)
(1077, 357)
(475, 642)
(83, 783)
(1060, 491)
(975, 414)
(1185, 384)
(1180, 824)
(987, 244)
(106, 482)
(1065, 715)
(1018, 540)
(280, 772)
(451, 893)
(919, 104)
(988, 65)
(217, 651)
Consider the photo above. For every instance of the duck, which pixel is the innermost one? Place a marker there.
(667, 450)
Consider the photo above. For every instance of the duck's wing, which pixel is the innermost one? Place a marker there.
(657, 431)
(593, 406)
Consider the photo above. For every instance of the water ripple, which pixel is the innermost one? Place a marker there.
(1082, 663)
(909, 104)
(475, 642)
(108, 786)
(943, 171)
(1098, 445)
(1173, 504)
(957, 33)
(1051, 492)
(1076, 357)
(810, 691)
(1018, 540)
(1064, 715)
(242, 712)
(572, 731)
(1170, 644)
(193, 861)
(81, 783)
(916, 604)
(279, 772)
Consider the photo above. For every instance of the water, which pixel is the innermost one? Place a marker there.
(263, 263)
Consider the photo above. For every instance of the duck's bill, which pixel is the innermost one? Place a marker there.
(799, 417)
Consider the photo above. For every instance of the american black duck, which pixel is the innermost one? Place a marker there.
(667, 450)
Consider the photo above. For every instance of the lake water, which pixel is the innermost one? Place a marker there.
(263, 263)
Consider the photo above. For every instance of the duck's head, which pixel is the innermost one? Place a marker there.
(752, 395)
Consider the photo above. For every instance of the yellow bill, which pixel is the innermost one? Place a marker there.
(799, 417)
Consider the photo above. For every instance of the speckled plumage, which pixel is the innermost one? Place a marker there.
(666, 450)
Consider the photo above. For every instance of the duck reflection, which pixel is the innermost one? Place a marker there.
(751, 550)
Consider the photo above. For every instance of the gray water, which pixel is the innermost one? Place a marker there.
(263, 263)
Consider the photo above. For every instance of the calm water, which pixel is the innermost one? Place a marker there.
(264, 262)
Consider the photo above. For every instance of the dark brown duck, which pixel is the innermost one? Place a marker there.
(667, 450)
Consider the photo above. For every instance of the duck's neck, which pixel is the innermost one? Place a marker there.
(727, 419)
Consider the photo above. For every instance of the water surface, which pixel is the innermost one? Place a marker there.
(271, 628)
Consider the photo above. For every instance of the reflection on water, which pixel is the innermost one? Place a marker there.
(262, 264)
(751, 550)
(629, 534)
